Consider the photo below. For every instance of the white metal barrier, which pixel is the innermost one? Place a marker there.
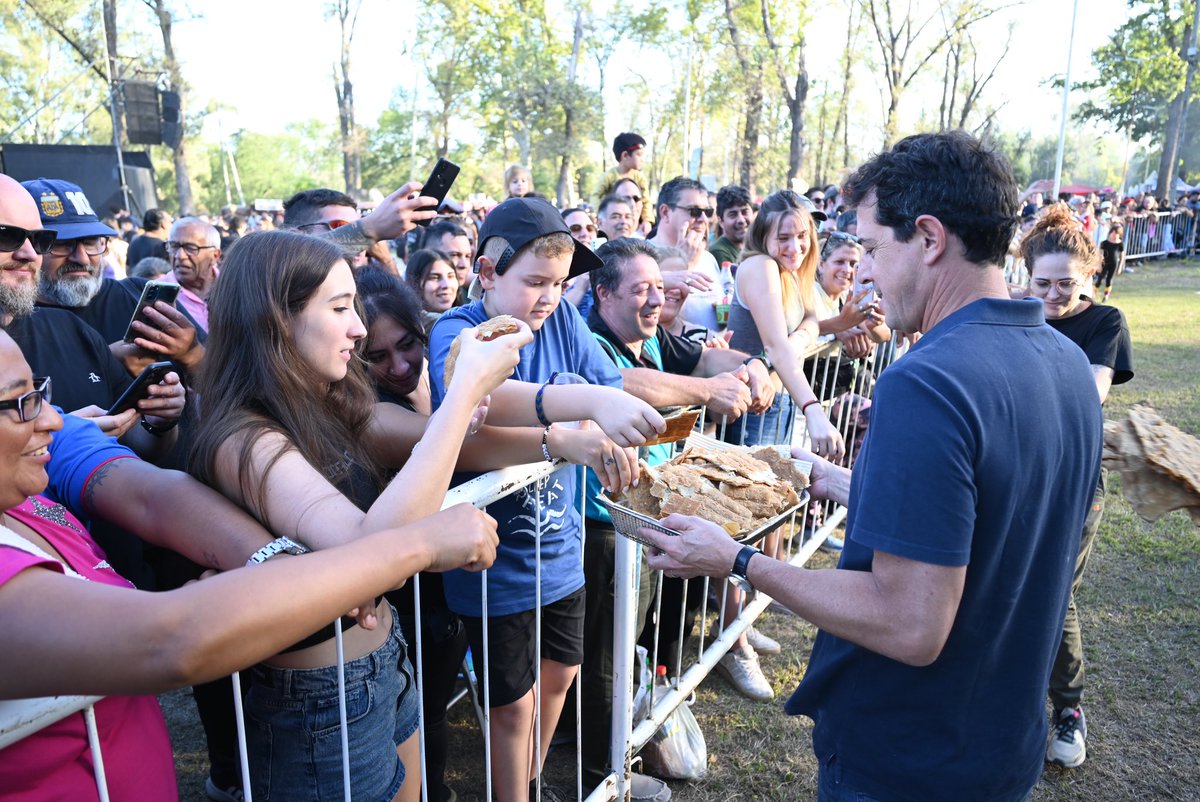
(1160, 234)
(844, 404)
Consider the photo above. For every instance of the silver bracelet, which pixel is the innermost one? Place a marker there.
(546, 444)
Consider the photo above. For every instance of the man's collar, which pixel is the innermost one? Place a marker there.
(598, 326)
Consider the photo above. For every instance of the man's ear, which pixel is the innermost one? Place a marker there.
(935, 239)
(487, 272)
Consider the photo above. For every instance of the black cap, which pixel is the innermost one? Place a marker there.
(522, 220)
(627, 141)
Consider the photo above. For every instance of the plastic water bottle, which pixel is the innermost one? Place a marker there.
(722, 306)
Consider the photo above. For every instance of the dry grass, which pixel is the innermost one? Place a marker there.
(1139, 607)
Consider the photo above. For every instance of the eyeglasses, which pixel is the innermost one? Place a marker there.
(696, 212)
(189, 248)
(92, 246)
(577, 228)
(329, 226)
(13, 237)
(29, 405)
(1065, 286)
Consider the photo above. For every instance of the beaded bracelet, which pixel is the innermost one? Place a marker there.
(546, 444)
(537, 400)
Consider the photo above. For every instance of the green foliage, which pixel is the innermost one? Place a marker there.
(1140, 70)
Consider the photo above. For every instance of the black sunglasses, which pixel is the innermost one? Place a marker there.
(696, 211)
(29, 405)
(13, 237)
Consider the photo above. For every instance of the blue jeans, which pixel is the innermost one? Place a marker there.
(773, 426)
(294, 736)
(832, 788)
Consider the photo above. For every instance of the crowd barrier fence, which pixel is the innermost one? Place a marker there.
(1160, 234)
(809, 527)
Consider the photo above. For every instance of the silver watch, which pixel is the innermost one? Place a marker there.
(277, 546)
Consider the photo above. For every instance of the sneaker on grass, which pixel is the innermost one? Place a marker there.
(1068, 738)
(761, 643)
(740, 668)
(218, 794)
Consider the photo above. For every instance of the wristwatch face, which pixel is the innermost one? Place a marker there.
(741, 583)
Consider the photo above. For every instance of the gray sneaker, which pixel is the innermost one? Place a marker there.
(762, 644)
(1068, 738)
(740, 668)
(648, 789)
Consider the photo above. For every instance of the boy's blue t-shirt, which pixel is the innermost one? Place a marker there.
(983, 452)
(562, 345)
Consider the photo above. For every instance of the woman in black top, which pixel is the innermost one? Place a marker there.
(1061, 259)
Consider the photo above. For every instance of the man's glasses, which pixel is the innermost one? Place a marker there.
(576, 228)
(13, 237)
(188, 248)
(329, 226)
(696, 212)
(92, 246)
(1065, 286)
(29, 405)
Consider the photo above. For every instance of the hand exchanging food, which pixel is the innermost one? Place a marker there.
(701, 549)
(486, 354)
(616, 467)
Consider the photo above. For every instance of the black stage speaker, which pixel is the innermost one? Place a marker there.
(143, 123)
(92, 167)
(172, 119)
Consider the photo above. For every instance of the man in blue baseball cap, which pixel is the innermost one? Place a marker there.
(72, 279)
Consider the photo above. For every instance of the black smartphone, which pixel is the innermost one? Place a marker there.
(438, 184)
(154, 291)
(140, 388)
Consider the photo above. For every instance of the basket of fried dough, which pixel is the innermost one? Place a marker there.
(1159, 464)
(748, 495)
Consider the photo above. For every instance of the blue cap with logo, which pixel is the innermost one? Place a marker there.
(65, 209)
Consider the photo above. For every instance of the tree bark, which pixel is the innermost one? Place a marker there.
(344, 90)
(563, 190)
(110, 43)
(1174, 131)
(183, 180)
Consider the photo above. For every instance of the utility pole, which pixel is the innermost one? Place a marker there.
(1062, 126)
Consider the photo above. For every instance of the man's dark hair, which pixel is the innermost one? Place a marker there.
(615, 254)
(440, 228)
(609, 200)
(968, 186)
(568, 212)
(732, 197)
(847, 219)
(303, 207)
(153, 219)
(383, 294)
(672, 190)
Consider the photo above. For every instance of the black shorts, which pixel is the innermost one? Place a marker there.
(511, 642)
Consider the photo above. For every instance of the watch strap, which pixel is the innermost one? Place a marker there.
(277, 546)
(741, 563)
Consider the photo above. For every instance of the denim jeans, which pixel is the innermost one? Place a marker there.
(294, 736)
(773, 426)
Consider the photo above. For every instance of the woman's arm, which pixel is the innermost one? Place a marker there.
(120, 641)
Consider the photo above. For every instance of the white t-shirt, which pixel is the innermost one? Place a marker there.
(700, 307)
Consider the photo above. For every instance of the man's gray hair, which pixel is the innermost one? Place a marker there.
(211, 235)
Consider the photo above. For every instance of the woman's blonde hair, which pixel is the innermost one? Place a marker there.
(796, 285)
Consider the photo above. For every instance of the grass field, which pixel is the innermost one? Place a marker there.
(1139, 605)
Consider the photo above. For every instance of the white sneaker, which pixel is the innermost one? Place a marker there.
(1068, 738)
(762, 644)
(740, 668)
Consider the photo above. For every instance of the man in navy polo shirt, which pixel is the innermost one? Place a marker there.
(939, 625)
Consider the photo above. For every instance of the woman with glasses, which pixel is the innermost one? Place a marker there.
(583, 229)
(773, 313)
(112, 640)
(434, 279)
(1061, 258)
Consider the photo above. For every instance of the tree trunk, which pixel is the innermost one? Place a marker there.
(796, 112)
(183, 180)
(563, 190)
(344, 89)
(754, 105)
(891, 128)
(1174, 131)
(118, 100)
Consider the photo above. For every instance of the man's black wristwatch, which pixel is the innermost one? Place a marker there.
(761, 358)
(740, 566)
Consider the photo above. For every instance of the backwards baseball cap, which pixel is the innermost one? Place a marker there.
(627, 141)
(65, 209)
(520, 221)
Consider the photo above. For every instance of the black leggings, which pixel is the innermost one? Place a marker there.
(1105, 275)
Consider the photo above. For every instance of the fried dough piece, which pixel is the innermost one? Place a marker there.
(486, 331)
(784, 467)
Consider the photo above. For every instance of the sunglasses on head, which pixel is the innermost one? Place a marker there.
(13, 237)
(696, 212)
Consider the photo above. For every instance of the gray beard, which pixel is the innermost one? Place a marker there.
(74, 293)
(17, 301)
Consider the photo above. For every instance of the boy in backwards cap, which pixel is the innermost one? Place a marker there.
(526, 254)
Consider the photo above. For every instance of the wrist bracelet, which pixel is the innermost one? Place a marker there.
(808, 404)
(761, 358)
(158, 431)
(537, 400)
(546, 444)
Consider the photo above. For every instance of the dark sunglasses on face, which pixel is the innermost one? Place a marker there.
(696, 212)
(29, 405)
(330, 226)
(576, 228)
(13, 237)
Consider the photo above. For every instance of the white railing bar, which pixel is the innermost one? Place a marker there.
(419, 675)
(239, 715)
(20, 718)
(89, 719)
(339, 646)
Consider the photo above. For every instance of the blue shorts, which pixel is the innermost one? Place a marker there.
(294, 737)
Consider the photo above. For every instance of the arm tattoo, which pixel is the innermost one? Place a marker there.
(350, 238)
(94, 481)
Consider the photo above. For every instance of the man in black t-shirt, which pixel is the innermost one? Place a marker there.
(154, 242)
(72, 279)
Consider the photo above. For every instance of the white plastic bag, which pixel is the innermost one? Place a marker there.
(677, 751)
